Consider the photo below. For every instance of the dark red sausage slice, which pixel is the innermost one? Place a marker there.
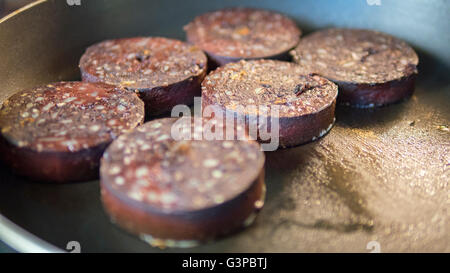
(58, 132)
(166, 72)
(370, 68)
(230, 35)
(180, 193)
(306, 102)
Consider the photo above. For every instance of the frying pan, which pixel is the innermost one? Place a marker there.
(379, 178)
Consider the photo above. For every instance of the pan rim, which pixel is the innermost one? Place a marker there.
(22, 240)
(20, 10)
(12, 234)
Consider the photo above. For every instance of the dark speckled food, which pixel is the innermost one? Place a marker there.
(370, 68)
(230, 35)
(165, 72)
(179, 193)
(306, 102)
(58, 132)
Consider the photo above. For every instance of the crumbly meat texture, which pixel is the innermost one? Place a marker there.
(356, 56)
(243, 33)
(268, 83)
(149, 166)
(69, 116)
(142, 62)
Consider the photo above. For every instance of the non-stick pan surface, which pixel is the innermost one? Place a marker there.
(380, 175)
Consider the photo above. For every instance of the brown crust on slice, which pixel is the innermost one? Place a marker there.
(369, 95)
(57, 167)
(166, 230)
(58, 132)
(370, 68)
(165, 72)
(185, 190)
(306, 101)
(233, 34)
